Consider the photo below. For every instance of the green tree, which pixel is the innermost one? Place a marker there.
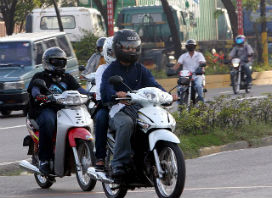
(15, 11)
(230, 5)
(8, 8)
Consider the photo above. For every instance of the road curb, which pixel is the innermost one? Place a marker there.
(10, 168)
(221, 80)
(13, 167)
(235, 146)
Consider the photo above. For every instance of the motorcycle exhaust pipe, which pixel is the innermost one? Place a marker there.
(29, 167)
(99, 176)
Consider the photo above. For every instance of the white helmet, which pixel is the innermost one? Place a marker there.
(108, 51)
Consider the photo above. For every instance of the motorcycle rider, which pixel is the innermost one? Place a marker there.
(191, 61)
(96, 59)
(244, 52)
(54, 63)
(127, 49)
(102, 115)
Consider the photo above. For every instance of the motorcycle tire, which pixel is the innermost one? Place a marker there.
(235, 85)
(183, 101)
(172, 162)
(42, 181)
(118, 191)
(5, 112)
(87, 159)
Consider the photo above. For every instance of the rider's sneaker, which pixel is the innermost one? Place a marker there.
(44, 167)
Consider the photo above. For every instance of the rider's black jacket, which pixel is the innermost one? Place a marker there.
(66, 79)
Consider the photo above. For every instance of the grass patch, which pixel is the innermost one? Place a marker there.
(190, 144)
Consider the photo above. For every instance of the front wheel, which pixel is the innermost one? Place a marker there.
(113, 190)
(234, 82)
(87, 159)
(171, 158)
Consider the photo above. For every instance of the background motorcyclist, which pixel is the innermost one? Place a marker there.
(102, 115)
(54, 63)
(96, 59)
(191, 61)
(127, 49)
(244, 52)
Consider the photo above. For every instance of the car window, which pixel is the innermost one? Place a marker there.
(50, 43)
(38, 53)
(64, 45)
(15, 53)
(51, 22)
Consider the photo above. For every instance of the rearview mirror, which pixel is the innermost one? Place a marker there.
(115, 80)
(81, 68)
(202, 65)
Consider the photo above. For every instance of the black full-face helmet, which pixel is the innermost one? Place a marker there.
(127, 39)
(54, 60)
(190, 45)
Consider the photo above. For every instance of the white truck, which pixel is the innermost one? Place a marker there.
(75, 20)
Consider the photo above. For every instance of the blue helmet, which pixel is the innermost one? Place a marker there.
(240, 39)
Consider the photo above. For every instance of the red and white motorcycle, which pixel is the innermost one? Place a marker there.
(73, 142)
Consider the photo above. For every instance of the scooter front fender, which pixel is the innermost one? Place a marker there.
(161, 135)
(78, 133)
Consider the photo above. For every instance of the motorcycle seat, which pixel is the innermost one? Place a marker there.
(34, 124)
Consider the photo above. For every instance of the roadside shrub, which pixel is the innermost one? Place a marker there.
(224, 113)
(85, 47)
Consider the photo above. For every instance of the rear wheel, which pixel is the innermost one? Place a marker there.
(87, 159)
(171, 158)
(42, 181)
(113, 190)
(5, 112)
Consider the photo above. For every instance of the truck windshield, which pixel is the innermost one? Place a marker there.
(51, 22)
(15, 53)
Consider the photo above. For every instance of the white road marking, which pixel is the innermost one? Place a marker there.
(223, 92)
(227, 187)
(18, 126)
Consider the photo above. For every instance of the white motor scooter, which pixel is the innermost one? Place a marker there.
(158, 160)
(73, 144)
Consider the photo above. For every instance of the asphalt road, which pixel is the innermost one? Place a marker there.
(233, 174)
(13, 130)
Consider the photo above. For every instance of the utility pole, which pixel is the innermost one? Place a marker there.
(264, 32)
(58, 16)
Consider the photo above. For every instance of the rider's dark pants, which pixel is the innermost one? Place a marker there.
(247, 71)
(101, 129)
(124, 127)
(47, 125)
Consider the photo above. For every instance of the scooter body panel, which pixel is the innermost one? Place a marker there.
(75, 117)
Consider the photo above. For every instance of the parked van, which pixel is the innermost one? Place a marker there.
(20, 58)
(74, 19)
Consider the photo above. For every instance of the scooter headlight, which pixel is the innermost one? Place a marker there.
(73, 100)
(235, 62)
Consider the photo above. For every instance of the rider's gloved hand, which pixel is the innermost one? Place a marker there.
(41, 98)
